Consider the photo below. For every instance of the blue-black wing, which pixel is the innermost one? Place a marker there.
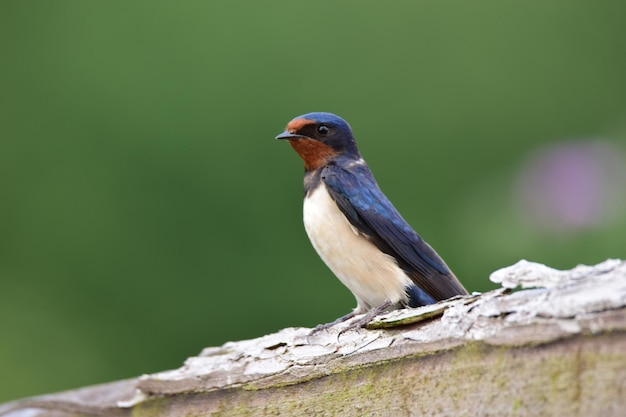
(360, 199)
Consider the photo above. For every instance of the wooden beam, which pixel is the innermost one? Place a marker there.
(557, 348)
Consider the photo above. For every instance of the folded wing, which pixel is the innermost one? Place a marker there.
(360, 199)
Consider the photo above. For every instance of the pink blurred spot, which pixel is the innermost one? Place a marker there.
(572, 185)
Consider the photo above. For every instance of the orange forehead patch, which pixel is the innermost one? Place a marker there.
(314, 154)
(296, 124)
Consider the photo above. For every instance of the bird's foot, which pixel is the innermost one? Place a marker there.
(361, 322)
(322, 327)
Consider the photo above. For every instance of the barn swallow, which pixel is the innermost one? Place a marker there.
(356, 230)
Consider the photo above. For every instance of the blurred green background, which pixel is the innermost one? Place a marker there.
(147, 212)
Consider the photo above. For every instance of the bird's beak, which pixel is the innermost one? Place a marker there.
(288, 135)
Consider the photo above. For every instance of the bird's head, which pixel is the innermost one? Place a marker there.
(319, 138)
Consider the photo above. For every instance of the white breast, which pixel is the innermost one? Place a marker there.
(373, 276)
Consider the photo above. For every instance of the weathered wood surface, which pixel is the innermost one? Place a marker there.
(558, 348)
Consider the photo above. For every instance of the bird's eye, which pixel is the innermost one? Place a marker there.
(322, 130)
